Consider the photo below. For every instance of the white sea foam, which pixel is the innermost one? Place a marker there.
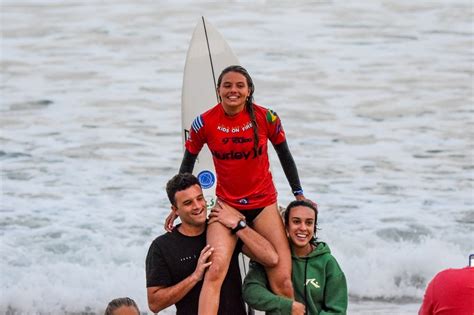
(375, 97)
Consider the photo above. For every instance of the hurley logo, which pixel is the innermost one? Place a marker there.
(238, 155)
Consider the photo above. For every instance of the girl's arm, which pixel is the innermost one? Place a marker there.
(289, 167)
(187, 164)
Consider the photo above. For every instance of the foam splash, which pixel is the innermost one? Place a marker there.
(375, 100)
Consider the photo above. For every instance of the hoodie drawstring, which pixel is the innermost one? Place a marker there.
(305, 287)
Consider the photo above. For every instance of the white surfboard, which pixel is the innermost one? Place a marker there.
(207, 56)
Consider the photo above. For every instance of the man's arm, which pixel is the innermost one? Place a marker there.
(161, 297)
(427, 305)
(255, 246)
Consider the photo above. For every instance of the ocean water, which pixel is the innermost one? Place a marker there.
(376, 98)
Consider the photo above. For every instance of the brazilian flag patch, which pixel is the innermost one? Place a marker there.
(271, 116)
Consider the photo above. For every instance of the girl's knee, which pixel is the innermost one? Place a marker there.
(216, 272)
(284, 287)
(281, 282)
(286, 284)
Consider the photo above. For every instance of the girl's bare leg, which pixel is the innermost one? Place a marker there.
(270, 225)
(223, 241)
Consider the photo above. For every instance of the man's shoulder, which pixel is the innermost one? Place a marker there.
(454, 273)
(174, 237)
(164, 239)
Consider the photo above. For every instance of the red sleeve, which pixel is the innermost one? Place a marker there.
(276, 134)
(427, 305)
(196, 137)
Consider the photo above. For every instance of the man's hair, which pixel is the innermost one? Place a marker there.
(118, 303)
(180, 182)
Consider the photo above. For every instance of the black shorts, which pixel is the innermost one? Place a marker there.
(251, 214)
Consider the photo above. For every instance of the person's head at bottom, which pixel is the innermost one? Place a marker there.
(122, 306)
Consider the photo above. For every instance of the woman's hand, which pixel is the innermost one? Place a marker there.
(225, 214)
(203, 262)
(170, 220)
(302, 197)
(297, 308)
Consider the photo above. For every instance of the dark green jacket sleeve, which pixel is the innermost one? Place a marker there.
(259, 297)
(335, 292)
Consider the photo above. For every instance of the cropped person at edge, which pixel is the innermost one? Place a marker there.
(122, 306)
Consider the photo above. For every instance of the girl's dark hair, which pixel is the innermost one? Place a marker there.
(248, 101)
(180, 182)
(304, 203)
(118, 303)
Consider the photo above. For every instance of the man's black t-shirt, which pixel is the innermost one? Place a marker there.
(173, 256)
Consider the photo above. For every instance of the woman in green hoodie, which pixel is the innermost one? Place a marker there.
(318, 281)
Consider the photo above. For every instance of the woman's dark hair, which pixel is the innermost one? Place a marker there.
(118, 303)
(305, 203)
(248, 101)
(180, 182)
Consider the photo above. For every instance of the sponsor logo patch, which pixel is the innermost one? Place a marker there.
(238, 155)
(243, 201)
(313, 282)
(271, 116)
(206, 178)
(236, 140)
(211, 202)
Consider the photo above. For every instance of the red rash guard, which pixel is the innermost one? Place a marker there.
(450, 292)
(244, 179)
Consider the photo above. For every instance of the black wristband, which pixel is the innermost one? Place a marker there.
(298, 192)
(240, 225)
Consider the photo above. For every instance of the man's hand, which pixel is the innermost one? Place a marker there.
(170, 220)
(297, 308)
(203, 262)
(225, 214)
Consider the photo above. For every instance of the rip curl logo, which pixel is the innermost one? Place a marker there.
(271, 116)
(313, 282)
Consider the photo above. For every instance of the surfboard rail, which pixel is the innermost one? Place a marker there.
(208, 54)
